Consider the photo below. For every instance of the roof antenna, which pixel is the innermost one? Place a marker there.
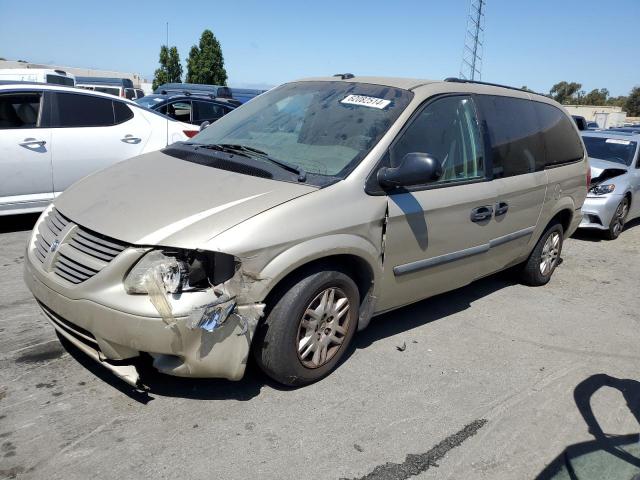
(344, 76)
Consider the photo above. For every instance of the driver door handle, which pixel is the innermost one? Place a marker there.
(130, 139)
(501, 208)
(480, 214)
(30, 142)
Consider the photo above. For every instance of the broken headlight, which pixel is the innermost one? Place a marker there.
(602, 189)
(176, 271)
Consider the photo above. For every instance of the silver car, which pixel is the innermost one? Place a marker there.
(612, 200)
(284, 227)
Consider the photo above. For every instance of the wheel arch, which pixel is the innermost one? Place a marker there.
(352, 255)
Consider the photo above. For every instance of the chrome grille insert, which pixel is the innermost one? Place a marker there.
(78, 253)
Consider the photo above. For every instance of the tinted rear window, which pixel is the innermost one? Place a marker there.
(122, 112)
(561, 140)
(516, 143)
(75, 110)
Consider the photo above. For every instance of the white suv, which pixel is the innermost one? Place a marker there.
(51, 136)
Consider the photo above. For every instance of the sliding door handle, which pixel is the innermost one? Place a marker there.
(480, 214)
(501, 208)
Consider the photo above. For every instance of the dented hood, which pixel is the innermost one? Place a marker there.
(156, 199)
(598, 166)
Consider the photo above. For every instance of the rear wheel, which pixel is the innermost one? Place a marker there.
(309, 328)
(617, 222)
(544, 258)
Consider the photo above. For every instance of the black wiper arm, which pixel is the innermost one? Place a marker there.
(302, 175)
(219, 148)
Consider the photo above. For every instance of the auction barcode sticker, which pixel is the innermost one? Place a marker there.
(365, 101)
(619, 142)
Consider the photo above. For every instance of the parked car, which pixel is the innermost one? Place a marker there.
(243, 95)
(120, 87)
(213, 91)
(195, 109)
(615, 181)
(284, 226)
(581, 122)
(38, 75)
(51, 136)
(592, 126)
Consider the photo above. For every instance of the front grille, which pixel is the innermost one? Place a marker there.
(81, 253)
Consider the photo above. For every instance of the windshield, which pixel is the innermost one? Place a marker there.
(150, 100)
(325, 128)
(612, 149)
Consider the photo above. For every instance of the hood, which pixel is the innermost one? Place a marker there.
(598, 166)
(156, 199)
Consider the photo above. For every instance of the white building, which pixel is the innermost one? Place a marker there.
(605, 116)
(136, 78)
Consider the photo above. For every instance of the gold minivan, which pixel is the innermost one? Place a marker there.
(285, 226)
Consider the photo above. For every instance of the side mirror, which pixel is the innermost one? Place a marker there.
(416, 168)
(204, 125)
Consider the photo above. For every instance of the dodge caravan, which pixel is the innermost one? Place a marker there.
(285, 226)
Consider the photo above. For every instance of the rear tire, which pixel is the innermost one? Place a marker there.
(309, 328)
(544, 258)
(617, 222)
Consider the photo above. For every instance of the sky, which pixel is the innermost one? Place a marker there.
(265, 43)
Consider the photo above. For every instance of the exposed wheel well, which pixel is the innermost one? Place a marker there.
(564, 217)
(355, 267)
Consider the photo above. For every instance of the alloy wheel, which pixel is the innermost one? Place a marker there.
(550, 253)
(323, 327)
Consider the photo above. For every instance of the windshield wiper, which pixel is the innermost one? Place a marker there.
(302, 175)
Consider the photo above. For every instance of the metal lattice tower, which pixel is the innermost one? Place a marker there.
(471, 68)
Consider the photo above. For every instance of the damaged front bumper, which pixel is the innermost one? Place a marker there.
(213, 340)
(598, 211)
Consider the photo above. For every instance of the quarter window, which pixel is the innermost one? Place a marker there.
(75, 110)
(561, 140)
(516, 142)
(446, 129)
(20, 110)
(122, 112)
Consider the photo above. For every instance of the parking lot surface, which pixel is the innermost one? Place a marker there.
(491, 381)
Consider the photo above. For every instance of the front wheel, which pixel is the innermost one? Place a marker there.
(544, 258)
(617, 222)
(309, 328)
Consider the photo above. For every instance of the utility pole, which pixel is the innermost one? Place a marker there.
(471, 68)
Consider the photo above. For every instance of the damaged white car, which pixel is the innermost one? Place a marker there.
(285, 226)
(614, 158)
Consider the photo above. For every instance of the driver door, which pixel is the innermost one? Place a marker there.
(438, 234)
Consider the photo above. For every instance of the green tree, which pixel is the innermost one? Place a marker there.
(170, 70)
(632, 105)
(564, 92)
(617, 101)
(205, 63)
(596, 97)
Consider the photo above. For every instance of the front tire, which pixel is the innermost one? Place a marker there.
(309, 328)
(544, 258)
(617, 222)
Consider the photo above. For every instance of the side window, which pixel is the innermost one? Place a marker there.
(181, 111)
(516, 142)
(74, 110)
(129, 93)
(122, 112)
(20, 110)
(561, 140)
(448, 130)
(207, 111)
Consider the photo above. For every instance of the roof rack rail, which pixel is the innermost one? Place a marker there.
(464, 80)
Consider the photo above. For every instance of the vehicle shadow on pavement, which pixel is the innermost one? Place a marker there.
(18, 223)
(593, 235)
(608, 455)
(430, 310)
